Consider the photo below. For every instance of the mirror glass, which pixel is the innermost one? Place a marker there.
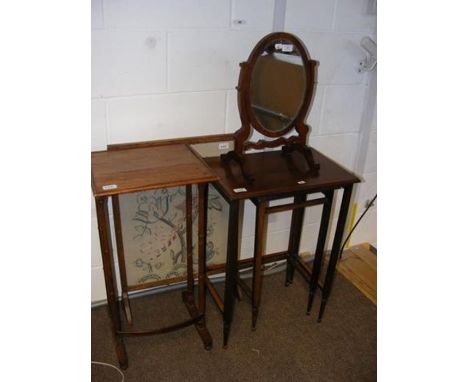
(277, 86)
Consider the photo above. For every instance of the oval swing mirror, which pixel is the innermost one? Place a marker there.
(277, 85)
(274, 94)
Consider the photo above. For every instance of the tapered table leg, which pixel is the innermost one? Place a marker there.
(202, 216)
(109, 277)
(337, 241)
(317, 264)
(121, 259)
(260, 233)
(188, 295)
(188, 236)
(297, 218)
(202, 196)
(231, 269)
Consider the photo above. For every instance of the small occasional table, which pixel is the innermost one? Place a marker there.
(148, 168)
(277, 176)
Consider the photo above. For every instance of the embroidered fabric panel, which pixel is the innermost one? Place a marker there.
(154, 233)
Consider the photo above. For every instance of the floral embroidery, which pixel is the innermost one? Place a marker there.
(154, 232)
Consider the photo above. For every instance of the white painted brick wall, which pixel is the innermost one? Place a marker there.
(355, 15)
(368, 188)
(166, 14)
(256, 14)
(338, 55)
(165, 116)
(163, 69)
(233, 121)
(128, 62)
(203, 60)
(97, 20)
(315, 112)
(367, 229)
(342, 109)
(98, 123)
(340, 147)
(309, 14)
(371, 159)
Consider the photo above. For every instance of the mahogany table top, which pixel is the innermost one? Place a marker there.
(138, 169)
(276, 175)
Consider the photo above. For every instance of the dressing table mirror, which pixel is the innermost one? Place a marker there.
(274, 94)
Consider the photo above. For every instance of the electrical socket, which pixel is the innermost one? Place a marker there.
(223, 145)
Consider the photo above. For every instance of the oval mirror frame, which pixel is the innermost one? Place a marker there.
(248, 119)
(246, 111)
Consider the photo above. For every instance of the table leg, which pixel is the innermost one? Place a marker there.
(238, 289)
(202, 216)
(188, 236)
(109, 276)
(260, 233)
(188, 295)
(295, 232)
(317, 264)
(231, 269)
(202, 205)
(337, 241)
(121, 258)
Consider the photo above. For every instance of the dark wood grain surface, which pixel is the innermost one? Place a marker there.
(276, 174)
(146, 168)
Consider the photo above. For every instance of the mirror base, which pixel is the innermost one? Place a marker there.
(306, 151)
(236, 158)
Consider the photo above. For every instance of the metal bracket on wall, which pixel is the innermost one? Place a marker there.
(370, 62)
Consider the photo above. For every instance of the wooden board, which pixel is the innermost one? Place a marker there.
(200, 139)
(359, 266)
(124, 171)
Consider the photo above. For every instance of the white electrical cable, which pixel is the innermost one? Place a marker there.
(108, 364)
